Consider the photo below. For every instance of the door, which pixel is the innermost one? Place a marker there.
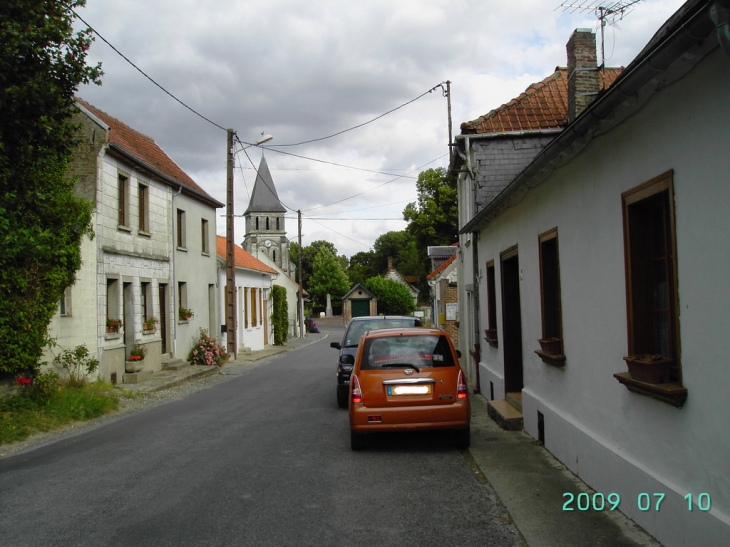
(163, 316)
(128, 311)
(360, 308)
(511, 321)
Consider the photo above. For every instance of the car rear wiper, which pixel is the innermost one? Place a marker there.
(401, 365)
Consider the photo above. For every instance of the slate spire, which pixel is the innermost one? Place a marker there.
(264, 198)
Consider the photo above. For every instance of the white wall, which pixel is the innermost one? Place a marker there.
(619, 441)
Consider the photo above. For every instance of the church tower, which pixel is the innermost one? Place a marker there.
(265, 227)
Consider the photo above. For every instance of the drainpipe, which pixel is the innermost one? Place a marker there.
(174, 276)
(720, 15)
(475, 327)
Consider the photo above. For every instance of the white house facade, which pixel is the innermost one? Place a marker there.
(129, 267)
(612, 242)
(253, 298)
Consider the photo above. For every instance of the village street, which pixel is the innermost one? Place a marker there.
(261, 459)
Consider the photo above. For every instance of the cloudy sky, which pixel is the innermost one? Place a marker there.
(301, 71)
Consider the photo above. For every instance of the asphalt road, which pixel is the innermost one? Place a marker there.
(261, 459)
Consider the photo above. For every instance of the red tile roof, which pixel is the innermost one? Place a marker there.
(242, 259)
(144, 150)
(543, 105)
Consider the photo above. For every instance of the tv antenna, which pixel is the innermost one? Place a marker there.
(607, 11)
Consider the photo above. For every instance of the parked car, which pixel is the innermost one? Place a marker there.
(355, 329)
(405, 380)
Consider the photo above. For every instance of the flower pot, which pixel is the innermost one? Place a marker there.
(652, 371)
(551, 346)
(134, 366)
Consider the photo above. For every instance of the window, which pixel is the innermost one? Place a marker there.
(146, 294)
(181, 229)
(267, 223)
(254, 302)
(652, 299)
(65, 304)
(123, 200)
(650, 268)
(245, 308)
(112, 305)
(144, 213)
(182, 301)
(205, 247)
(491, 333)
(552, 328)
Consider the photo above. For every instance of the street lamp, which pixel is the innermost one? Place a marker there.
(231, 345)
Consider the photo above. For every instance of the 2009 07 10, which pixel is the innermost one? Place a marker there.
(645, 501)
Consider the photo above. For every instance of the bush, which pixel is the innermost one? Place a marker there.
(393, 297)
(280, 316)
(207, 351)
(77, 363)
(34, 392)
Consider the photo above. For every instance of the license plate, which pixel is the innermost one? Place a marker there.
(424, 389)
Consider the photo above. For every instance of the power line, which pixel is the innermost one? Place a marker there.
(376, 187)
(364, 123)
(145, 75)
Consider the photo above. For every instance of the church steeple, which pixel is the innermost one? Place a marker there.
(265, 230)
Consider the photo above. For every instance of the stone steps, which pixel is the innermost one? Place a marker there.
(506, 415)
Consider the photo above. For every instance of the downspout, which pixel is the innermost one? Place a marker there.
(174, 275)
(475, 327)
(720, 15)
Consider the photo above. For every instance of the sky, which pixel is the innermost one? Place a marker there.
(303, 71)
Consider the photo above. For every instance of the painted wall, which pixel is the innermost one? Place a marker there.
(616, 440)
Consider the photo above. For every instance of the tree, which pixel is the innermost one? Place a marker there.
(42, 222)
(393, 298)
(328, 276)
(280, 316)
(434, 218)
(308, 255)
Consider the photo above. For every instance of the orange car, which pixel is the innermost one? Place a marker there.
(407, 379)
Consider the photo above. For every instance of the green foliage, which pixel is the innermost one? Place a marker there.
(206, 351)
(77, 363)
(434, 219)
(42, 222)
(328, 276)
(280, 316)
(23, 415)
(309, 253)
(393, 298)
(34, 392)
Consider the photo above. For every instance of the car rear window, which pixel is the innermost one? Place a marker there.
(423, 351)
(358, 328)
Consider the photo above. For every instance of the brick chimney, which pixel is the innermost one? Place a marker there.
(583, 81)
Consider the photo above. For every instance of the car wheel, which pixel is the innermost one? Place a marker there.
(358, 441)
(341, 398)
(462, 438)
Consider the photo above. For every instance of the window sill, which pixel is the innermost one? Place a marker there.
(183, 249)
(671, 393)
(112, 336)
(144, 234)
(205, 253)
(553, 360)
(148, 331)
(123, 228)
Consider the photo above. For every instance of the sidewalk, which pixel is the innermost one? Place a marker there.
(165, 379)
(530, 482)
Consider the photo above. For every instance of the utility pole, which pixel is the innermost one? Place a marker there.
(448, 105)
(230, 267)
(300, 304)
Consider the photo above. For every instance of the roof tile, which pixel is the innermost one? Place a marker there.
(543, 105)
(242, 258)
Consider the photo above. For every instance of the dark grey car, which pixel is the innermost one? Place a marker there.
(355, 329)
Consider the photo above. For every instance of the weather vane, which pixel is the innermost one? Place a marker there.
(607, 12)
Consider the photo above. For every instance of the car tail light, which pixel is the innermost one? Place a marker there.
(356, 391)
(462, 391)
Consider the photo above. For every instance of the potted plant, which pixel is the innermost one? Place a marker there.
(652, 369)
(150, 324)
(551, 346)
(113, 325)
(136, 356)
(185, 314)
